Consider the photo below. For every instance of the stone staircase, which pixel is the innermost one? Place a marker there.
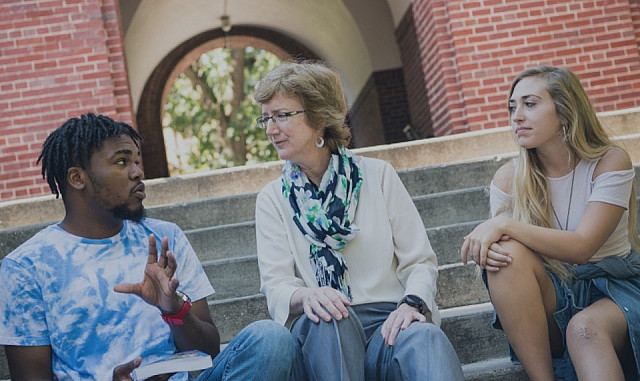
(451, 196)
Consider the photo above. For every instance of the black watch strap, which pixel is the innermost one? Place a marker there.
(414, 301)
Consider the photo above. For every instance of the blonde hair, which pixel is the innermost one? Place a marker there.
(319, 91)
(585, 136)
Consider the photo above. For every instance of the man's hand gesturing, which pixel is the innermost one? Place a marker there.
(158, 287)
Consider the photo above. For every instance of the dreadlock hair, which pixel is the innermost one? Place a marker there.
(72, 144)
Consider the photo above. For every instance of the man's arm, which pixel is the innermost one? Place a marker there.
(158, 288)
(198, 331)
(29, 363)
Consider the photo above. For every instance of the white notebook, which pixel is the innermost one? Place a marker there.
(178, 362)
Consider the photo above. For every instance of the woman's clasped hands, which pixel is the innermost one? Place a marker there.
(483, 245)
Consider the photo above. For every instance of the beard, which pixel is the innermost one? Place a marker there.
(123, 212)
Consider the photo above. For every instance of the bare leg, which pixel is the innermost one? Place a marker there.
(524, 298)
(596, 338)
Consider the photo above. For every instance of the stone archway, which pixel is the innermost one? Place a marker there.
(149, 113)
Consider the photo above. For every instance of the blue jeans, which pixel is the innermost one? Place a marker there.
(264, 350)
(353, 349)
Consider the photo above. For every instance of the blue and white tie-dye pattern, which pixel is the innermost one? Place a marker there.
(58, 290)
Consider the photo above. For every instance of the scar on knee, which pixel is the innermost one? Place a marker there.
(585, 334)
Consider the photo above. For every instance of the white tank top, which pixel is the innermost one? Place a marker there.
(609, 187)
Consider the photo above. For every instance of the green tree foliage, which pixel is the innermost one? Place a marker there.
(212, 103)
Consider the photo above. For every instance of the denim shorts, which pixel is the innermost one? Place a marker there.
(569, 301)
(614, 277)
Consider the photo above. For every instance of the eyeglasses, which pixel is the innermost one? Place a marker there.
(280, 118)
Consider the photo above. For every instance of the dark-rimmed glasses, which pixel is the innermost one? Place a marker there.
(280, 118)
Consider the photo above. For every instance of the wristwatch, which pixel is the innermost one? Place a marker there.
(177, 318)
(414, 301)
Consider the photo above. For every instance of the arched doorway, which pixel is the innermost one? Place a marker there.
(153, 97)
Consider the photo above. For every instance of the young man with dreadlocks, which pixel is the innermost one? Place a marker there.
(72, 302)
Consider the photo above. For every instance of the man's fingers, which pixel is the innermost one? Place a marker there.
(171, 266)
(153, 250)
(164, 247)
(123, 372)
(127, 288)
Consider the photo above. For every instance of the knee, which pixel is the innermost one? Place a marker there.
(422, 341)
(423, 334)
(523, 261)
(582, 331)
(269, 336)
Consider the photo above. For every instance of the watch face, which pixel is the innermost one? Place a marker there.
(414, 301)
(183, 296)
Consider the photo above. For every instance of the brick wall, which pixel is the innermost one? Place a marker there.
(414, 81)
(61, 58)
(634, 6)
(58, 59)
(472, 49)
(381, 111)
(392, 100)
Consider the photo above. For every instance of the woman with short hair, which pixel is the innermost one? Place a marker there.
(343, 254)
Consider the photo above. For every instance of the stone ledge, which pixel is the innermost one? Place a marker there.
(623, 125)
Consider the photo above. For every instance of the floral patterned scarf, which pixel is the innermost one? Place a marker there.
(324, 214)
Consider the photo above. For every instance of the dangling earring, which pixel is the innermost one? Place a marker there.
(320, 142)
(565, 133)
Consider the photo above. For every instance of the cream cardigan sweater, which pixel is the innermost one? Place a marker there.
(390, 256)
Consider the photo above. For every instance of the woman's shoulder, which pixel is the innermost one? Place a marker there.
(615, 159)
(503, 178)
(273, 187)
(372, 162)
(373, 167)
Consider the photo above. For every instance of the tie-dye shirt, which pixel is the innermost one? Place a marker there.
(57, 290)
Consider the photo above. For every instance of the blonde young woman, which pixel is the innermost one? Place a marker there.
(560, 253)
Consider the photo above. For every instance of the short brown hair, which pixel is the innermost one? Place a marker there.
(319, 91)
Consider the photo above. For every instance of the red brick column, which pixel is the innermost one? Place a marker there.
(439, 66)
(472, 49)
(414, 80)
(58, 59)
(634, 5)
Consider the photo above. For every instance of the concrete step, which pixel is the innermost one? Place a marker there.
(4, 366)
(447, 177)
(436, 209)
(498, 369)
(458, 284)
(224, 242)
(208, 212)
(452, 207)
(446, 240)
(446, 199)
(239, 240)
(470, 332)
